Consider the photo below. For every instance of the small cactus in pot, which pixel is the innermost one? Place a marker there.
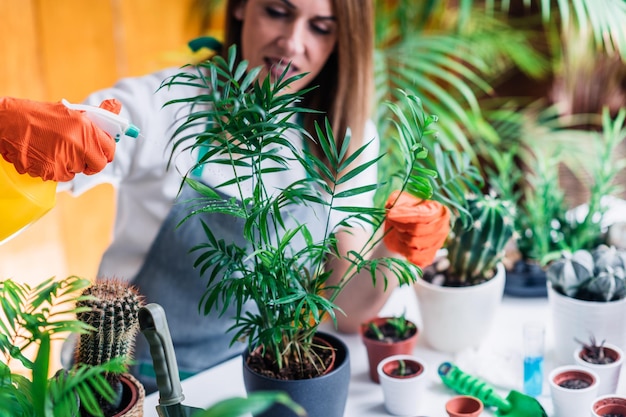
(475, 249)
(597, 275)
(112, 307)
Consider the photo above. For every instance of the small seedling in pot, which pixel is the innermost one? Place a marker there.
(593, 352)
(394, 329)
(406, 368)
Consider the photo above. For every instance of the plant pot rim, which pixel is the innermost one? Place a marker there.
(499, 276)
(575, 369)
(137, 396)
(382, 319)
(337, 343)
(556, 294)
(607, 400)
(392, 358)
(468, 398)
(609, 346)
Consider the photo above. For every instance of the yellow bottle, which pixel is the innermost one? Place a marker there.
(23, 200)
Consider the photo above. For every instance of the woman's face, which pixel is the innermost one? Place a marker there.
(278, 32)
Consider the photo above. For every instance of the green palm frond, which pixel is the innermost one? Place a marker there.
(34, 316)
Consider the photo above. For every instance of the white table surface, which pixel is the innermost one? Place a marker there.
(498, 361)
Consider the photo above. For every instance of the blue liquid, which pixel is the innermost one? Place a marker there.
(533, 375)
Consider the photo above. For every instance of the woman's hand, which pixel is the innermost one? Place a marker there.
(416, 228)
(50, 141)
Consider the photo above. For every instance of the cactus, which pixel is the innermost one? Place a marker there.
(111, 308)
(474, 251)
(597, 275)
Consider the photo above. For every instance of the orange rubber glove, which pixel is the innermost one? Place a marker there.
(415, 228)
(50, 141)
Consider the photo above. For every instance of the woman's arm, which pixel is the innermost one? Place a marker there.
(360, 299)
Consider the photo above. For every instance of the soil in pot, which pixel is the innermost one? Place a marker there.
(598, 354)
(406, 369)
(438, 274)
(390, 335)
(573, 380)
(264, 364)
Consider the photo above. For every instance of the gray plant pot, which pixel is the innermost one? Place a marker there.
(324, 396)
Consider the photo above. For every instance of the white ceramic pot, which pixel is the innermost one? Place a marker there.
(578, 319)
(608, 404)
(403, 395)
(608, 373)
(454, 318)
(569, 402)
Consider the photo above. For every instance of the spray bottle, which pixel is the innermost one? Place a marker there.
(25, 199)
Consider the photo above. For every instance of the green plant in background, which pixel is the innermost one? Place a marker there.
(490, 70)
(243, 121)
(109, 306)
(32, 317)
(474, 250)
(544, 222)
(597, 275)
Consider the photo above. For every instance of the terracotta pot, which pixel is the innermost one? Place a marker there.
(572, 402)
(609, 373)
(378, 350)
(608, 404)
(464, 406)
(404, 395)
(324, 396)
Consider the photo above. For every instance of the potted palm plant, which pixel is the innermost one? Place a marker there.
(387, 336)
(32, 318)
(285, 280)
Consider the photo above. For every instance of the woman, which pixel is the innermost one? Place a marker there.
(331, 40)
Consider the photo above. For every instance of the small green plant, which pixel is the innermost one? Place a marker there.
(110, 306)
(597, 275)
(32, 317)
(399, 326)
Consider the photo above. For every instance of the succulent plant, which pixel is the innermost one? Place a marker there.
(597, 275)
(475, 249)
(111, 309)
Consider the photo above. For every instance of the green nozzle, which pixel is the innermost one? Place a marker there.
(132, 131)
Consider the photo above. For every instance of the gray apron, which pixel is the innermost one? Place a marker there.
(168, 278)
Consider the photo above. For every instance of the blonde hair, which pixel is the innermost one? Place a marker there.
(345, 87)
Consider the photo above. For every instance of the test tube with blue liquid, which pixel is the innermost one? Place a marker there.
(533, 345)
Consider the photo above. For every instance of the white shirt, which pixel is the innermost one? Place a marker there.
(146, 187)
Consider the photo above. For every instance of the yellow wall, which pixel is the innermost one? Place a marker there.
(53, 49)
